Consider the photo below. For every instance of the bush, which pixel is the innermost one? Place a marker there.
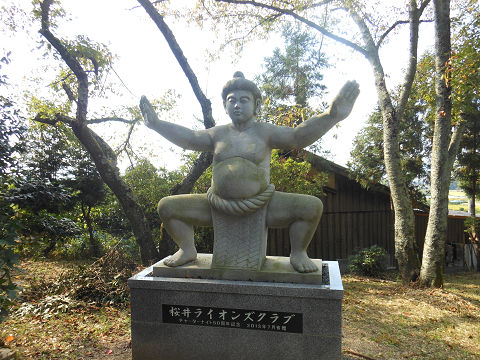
(368, 262)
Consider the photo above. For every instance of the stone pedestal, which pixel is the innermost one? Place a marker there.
(186, 318)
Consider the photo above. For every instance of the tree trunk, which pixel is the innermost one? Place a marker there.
(404, 223)
(167, 246)
(431, 273)
(102, 155)
(93, 245)
(405, 246)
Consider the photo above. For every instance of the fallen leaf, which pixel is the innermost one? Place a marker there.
(109, 351)
(9, 339)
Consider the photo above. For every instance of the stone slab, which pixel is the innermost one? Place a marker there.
(157, 302)
(274, 269)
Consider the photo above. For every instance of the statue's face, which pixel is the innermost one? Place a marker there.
(240, 106)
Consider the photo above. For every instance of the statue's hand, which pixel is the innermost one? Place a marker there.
(343, 103)
(148, 113)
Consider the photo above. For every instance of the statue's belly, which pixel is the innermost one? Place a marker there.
(238, 178)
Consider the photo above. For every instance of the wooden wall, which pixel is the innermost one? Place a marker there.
(355, 218)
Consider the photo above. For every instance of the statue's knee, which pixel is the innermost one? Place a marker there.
(165, 208)
(319, 207)
(313, 210)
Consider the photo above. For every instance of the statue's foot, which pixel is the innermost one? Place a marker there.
(302, 263)
(182, 256)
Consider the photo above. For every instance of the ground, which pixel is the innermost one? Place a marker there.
(381, 320)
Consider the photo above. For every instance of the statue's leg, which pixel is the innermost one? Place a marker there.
(301, 214)
(179, 213)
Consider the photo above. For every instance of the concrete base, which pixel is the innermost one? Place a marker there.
(183, 318)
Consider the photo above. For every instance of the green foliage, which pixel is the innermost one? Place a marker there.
(368, 262)
(11, 144)
(367, 164)
(295, 175)
(292, 78)
(8, 259)
(149, 184)
(467, 171)
(35, 196)
(472, 227)
(465, 77)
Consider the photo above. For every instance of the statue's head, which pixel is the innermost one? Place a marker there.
(240, 83)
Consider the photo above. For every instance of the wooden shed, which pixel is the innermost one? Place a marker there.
(354, 218)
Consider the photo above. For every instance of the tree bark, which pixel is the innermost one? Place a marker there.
(102, 155)
(106, 167)
(93, 245)
(167, 245)
(406, 251)
(444, 151)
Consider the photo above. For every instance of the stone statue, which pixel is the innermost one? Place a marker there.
(241, 170)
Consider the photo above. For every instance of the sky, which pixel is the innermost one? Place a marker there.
(146, 66)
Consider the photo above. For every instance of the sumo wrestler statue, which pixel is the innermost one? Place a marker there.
(241, 170)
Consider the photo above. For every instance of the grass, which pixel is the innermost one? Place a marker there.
(40, 329)
(381, 320)
(384, 320)
(457, 200)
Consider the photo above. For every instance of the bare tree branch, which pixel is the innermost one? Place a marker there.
(107, 119)
(53, 121)
(182, 60)
(186, 186)
(302, 19)
(415, 14)
(394, 25)
(69, 92)
(389, 30)
(70, 60)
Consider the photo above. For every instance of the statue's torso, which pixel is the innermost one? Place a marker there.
(241, 162)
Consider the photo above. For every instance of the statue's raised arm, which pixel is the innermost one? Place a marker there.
(314, 128)
(199, 140)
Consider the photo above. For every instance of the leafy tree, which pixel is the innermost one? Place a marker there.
(57, 175)
(86, 62)
(150, 185)
(11, 144)
(295, 174)
(292, 78)
(467, 171)
(465, 97)
(89, 191)
(367, 158)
